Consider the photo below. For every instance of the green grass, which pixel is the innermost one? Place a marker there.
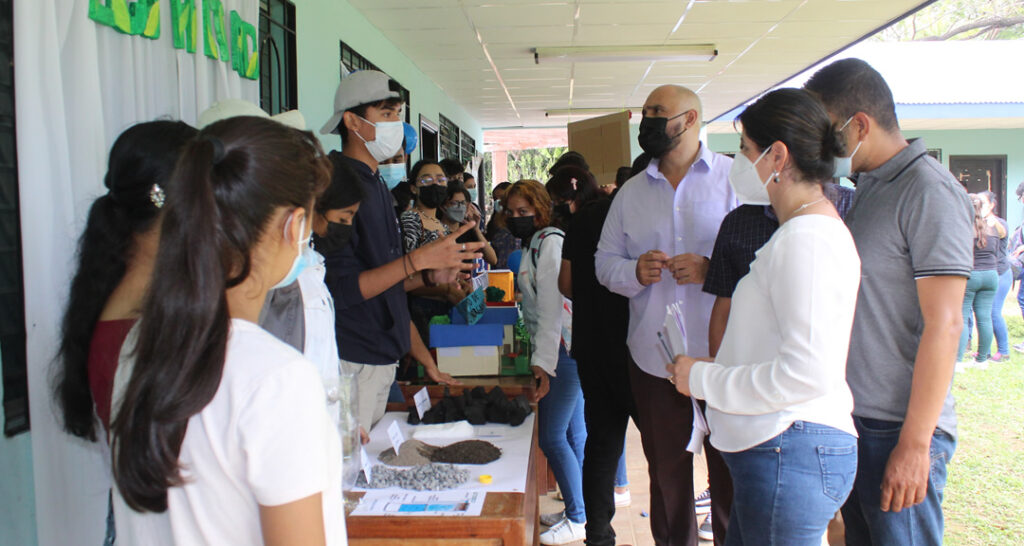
(984, 496)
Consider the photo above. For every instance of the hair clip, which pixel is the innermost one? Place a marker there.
(157, 196)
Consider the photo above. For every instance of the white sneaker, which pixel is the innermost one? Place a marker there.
(550, 520)
(564, 532)
(622, 499)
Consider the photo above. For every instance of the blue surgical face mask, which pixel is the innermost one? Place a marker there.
(302, 257)
(844, 165)
(472, 194)
(392, 174)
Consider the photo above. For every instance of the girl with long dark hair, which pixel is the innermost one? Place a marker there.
(216, 422)
(115, 261)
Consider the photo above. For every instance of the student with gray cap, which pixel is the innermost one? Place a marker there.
(369, 277)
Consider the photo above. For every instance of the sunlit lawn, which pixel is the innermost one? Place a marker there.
(984, 502)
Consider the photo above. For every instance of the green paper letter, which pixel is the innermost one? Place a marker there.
(216, 43)
(145, 16)
(112, 13)
(184, 24)
(243, 42)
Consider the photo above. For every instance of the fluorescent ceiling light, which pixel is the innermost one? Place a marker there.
(558, 112)
(598, 54)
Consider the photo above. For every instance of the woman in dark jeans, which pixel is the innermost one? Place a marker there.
(988, 207)
(981, 287)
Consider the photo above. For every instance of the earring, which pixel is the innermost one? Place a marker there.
(775, 174)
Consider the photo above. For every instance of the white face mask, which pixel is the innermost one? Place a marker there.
(302, 259)
(388, 140)
(844, 165)
(749, 188)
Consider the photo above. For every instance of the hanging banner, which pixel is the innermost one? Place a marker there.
(142, 18)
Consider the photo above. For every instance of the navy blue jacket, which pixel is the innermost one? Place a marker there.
(375, 330)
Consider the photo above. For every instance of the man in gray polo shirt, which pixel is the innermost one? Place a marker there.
(912, 224)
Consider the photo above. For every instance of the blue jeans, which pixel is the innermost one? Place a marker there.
(621, 480)
(865, 522)
(787, 489)
(981, 290)
(998, 322)
(563, 434)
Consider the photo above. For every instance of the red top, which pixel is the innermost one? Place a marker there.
(107, 338)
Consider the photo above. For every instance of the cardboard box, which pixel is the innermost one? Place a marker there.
(462, 361)
(505, 280)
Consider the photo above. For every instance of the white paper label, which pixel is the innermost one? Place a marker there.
(422, 401)
(450, 352)
(396, 436)
(365, 459)
(485, 351)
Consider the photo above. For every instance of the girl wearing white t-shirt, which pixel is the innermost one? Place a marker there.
(778, 403)
(221, 434)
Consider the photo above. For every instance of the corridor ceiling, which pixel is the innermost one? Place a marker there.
(479, 51)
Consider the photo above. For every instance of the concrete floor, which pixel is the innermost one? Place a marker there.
(630, 526)
(635, 529)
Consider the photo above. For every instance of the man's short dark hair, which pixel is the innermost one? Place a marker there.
(1020, 190)
(849, 86)
(451, 167)
(361, 112)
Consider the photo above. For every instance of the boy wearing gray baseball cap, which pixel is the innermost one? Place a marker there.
(369, 277)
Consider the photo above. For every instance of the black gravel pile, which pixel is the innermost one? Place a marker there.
(477, 406)
(466, 452)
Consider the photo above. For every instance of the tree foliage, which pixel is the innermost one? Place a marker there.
(533, 164)
(960, 20)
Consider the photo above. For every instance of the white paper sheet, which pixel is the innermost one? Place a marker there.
(508, 473)
(484, 350)
(700, 430)
(441, 503)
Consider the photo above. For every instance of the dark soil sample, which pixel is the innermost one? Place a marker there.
(466, 452)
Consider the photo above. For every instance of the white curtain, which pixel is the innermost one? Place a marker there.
(78, 85)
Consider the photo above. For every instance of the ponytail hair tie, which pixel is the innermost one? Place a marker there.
(218, 148)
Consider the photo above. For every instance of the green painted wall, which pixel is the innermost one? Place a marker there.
(320, 25)
(1008, 142)
(17, 490)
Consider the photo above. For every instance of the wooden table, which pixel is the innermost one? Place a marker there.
(508, 519)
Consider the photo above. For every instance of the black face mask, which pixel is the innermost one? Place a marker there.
(521, 227)
(654, 139)
(337, 238)
(432, 196)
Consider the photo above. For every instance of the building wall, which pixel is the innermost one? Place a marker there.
(320, 25)
(17, 493)
(1008, 142)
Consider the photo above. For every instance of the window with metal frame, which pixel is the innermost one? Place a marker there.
(467, 146)
(278, 72)
(448, 136)
(12, 287)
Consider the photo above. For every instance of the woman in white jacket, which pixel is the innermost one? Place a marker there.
(778, 403)
(548, 319)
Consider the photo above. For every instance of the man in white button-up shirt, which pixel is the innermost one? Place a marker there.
(654, 250)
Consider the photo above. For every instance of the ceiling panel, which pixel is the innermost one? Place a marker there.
(759, 43)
